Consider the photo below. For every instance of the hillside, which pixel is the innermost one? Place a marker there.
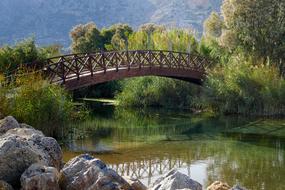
(51, 20)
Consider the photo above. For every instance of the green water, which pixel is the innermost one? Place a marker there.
(147, 143)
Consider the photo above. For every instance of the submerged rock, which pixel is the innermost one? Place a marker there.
(218, 185)
(85, 172)
(21, 147)
(135, 183)
(5, 186)
(8, 123)
(39, 177)
(175, 180)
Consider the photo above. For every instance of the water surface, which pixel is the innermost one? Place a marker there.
(148, 143)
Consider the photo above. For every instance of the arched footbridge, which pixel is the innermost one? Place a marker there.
(80, 70)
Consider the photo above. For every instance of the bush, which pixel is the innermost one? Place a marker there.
(157, 91)
(34, 101)
(243, 88)
(26, 51)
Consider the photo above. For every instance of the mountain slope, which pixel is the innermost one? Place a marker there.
(51, 20)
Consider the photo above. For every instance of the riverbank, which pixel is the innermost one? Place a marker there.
(40, 166)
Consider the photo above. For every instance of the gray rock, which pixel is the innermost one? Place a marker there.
(8, 123)
(21, 147)
(135, 183)
(24, 125)
(5, 186)
(39, 177)
(175, 180)
(85, 172)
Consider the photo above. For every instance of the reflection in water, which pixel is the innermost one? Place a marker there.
(146, 144)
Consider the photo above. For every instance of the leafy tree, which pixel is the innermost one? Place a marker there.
(158, 38)
(24, 52)
(149, 29)
(86, 38)
(139, 40)
(175, 40)
(121, 36)
(213, 25)
(257, 27)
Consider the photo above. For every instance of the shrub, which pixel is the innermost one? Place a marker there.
(34, 101)
(24, 52)
(157, 91)
(244, 88)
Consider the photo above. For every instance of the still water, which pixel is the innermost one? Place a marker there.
(148, 143)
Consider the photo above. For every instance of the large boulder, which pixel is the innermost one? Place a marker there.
(21, 147)
(135, 183)
(218, 185)
(5, 186)
(85, 172)
(39, 177)
(8, 123)
(175, 180)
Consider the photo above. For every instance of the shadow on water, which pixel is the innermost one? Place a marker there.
(147, 143)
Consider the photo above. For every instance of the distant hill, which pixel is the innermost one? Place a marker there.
(51, 20)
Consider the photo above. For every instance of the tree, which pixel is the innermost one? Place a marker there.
(24, 52)
(213, 25)
(119, 40)
(258, 26)
(86, 38)
(150, 29)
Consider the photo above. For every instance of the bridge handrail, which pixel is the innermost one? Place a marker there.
(119, 51)
(71, 66)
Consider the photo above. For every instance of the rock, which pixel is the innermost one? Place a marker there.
(39, 177)
(24, 125)
(21, 147)
(85, 172)
(135, 183)
(175, 180)
(237, 187)
(8, 123)
(217, 185)
(5, 186)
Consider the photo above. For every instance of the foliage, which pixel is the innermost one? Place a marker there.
(24, 52)
(213, 25)
(88, 38)
(157, 91)
(119, 40)
(158, 38)
(34, 101)
(254, 27)
(241, 87)
(258, 24)
(51, 50)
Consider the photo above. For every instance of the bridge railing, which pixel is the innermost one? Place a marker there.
(62, 68)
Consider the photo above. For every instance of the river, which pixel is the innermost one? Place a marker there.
(146, 143)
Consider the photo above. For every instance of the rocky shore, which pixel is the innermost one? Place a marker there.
(31, 161)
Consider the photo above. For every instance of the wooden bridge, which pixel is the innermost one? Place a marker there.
(79, 70)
